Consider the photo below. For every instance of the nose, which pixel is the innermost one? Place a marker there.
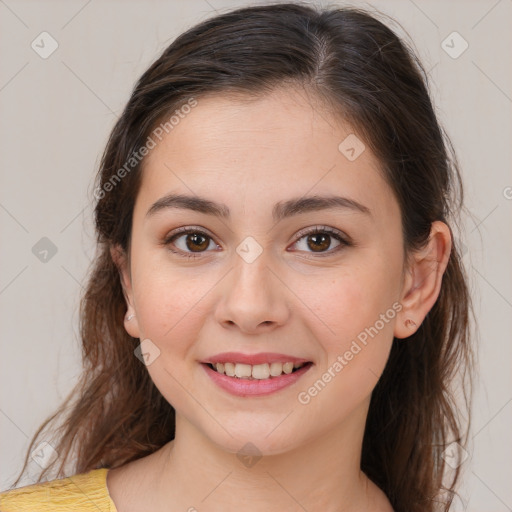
(253, 299)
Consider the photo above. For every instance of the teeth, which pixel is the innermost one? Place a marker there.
(257, 371)
(260, 371)
(243, 370)
(276, 369)
(229, 368)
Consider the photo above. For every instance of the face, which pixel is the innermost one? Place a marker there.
(253, 283)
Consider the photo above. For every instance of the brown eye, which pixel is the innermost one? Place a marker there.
(320, 241)
(196, 241)
(190, 243)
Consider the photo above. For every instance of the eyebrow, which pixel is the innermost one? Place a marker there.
(280, 211)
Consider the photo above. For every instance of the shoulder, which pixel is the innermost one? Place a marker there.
(85, 492)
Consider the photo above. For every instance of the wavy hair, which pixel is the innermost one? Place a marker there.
(370, 78)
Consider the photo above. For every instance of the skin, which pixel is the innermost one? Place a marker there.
(250, 155)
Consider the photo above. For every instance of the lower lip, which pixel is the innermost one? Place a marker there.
(255, 387)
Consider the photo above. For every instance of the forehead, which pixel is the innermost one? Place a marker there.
(247, 151)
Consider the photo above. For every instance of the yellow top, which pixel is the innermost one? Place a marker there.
(86, 492)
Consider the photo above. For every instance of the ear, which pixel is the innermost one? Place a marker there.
(422, 282)
(121, 261)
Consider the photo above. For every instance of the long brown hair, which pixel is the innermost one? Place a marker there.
(373, 80)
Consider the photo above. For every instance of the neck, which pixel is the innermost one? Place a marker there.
(322, 475)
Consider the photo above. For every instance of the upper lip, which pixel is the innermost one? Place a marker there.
(252, 359)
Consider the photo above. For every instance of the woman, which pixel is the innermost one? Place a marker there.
(278, 307)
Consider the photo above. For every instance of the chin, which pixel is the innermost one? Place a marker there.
(255, 442)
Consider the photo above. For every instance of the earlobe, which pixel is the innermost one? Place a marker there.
(423, 280)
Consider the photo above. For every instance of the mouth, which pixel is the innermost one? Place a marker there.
(244, 380)
(257, 372)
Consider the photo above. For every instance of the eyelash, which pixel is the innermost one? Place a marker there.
(306, 232)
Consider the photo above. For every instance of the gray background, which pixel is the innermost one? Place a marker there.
(55, 116)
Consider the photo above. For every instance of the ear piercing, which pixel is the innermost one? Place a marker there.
(409, 323)
(129, 317)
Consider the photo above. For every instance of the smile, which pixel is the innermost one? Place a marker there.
(257, 371)
(243, 382)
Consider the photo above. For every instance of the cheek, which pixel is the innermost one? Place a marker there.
(168, 307)
(353, 316)
(361, 318)
(169, 312)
